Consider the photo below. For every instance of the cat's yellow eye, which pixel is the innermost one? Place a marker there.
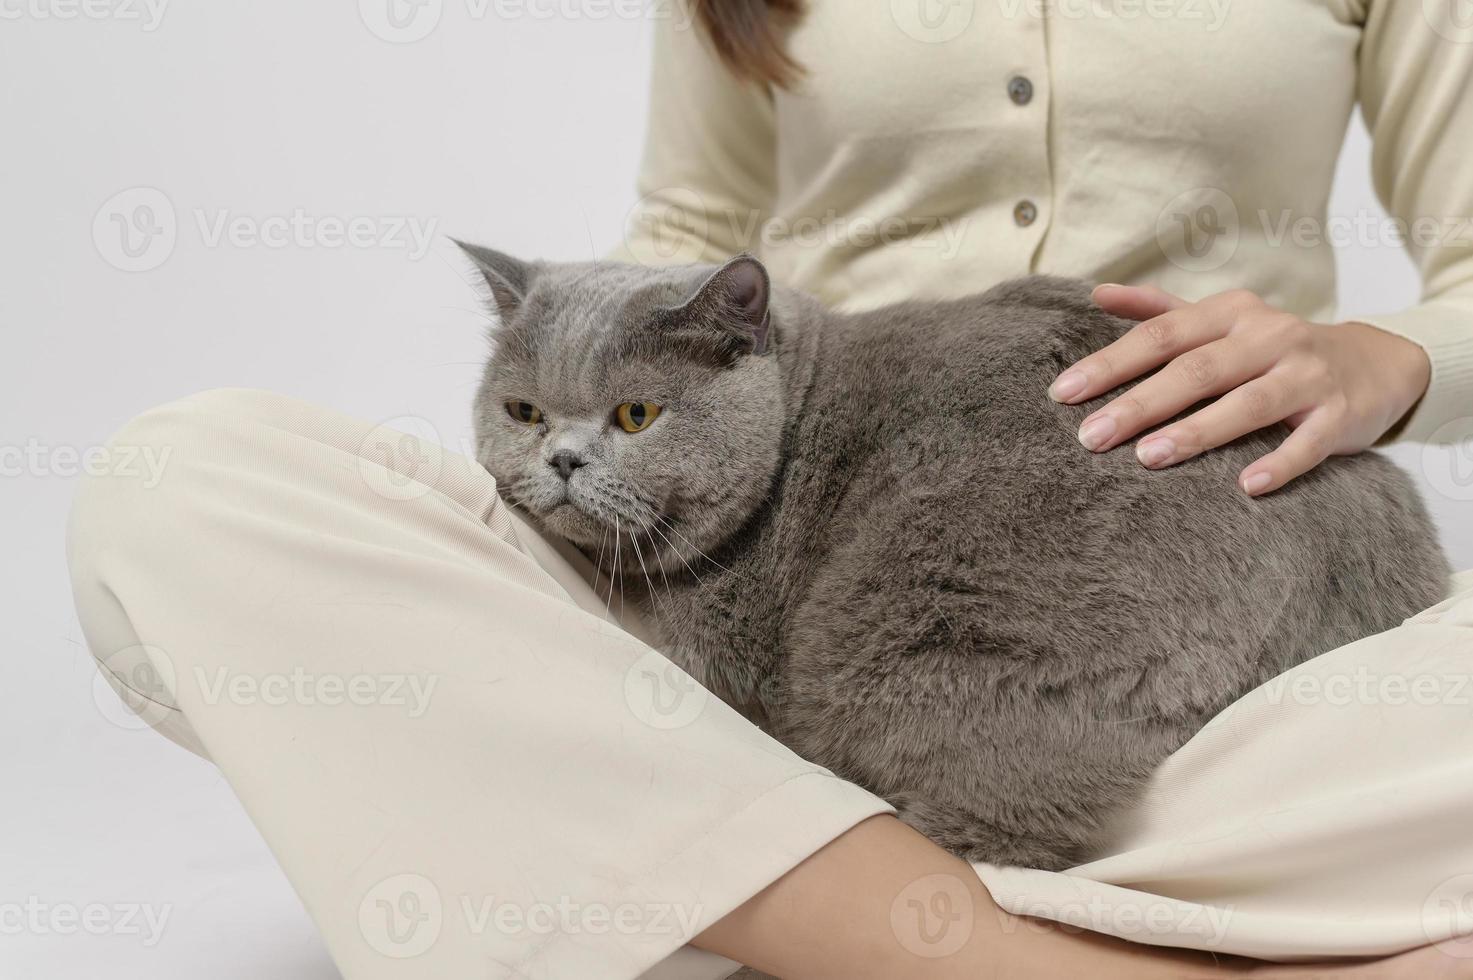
(524, 412)
(636, 416)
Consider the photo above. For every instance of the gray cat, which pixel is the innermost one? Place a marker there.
(877, 537)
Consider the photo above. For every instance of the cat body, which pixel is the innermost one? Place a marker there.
(932, 589)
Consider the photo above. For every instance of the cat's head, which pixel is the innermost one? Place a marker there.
(631, 409)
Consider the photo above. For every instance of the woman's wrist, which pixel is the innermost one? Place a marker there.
(1401, 367)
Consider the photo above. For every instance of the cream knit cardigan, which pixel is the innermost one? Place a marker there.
(935, 148)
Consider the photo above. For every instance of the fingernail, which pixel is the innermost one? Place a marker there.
(1257, 483)
(1067, 385)
(1155, 452)
(1096, 432)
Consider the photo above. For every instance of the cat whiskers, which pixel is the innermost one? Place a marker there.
(676, 531)
(641, 517)
(654, 594)
(598, 563)
(617, 570)
(663, 577)
(674, 548)
(509, 494)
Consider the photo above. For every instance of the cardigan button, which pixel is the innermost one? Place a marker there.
(1025, 213)
(1020, 90)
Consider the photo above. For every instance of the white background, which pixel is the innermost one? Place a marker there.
(521, 131)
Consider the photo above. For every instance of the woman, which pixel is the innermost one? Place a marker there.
(556, 801)
(1171, 146)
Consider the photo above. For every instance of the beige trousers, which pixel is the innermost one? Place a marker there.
(468, 768)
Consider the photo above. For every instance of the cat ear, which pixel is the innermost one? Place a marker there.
(508, 277)
(736, 296)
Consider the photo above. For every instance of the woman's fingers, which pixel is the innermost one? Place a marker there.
(1136, 302)
(1261, 364)
(1144, 347)
(1200, 373)
(1307, 447)
(1253, 406)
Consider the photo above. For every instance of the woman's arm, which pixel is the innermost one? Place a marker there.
(1416, 93)
(1342, 388)
(706, 182)
(881, 902)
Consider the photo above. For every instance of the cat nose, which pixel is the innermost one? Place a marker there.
(565, 462)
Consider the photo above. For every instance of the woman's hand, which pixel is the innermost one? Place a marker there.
(1340, 388)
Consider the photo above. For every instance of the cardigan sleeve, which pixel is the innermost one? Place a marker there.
(1416, 92)
(707, 180)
